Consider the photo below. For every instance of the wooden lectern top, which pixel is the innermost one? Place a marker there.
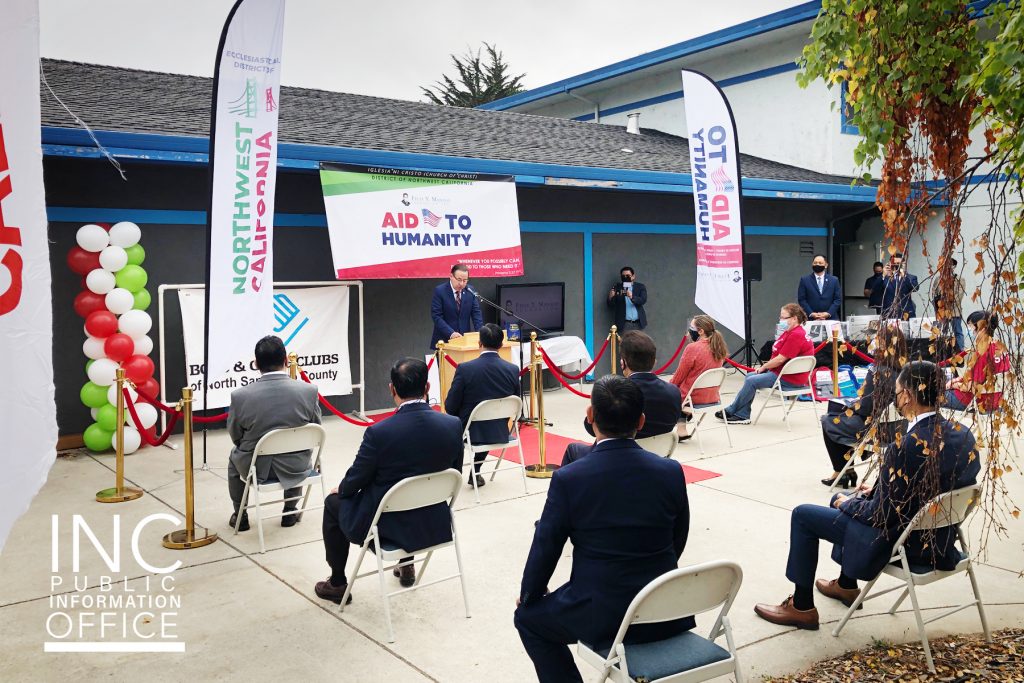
(466, 348)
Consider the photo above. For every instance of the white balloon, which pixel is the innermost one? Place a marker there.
(143, 345)
(125, 234)
(103, 371)
(119, 301)
(100, 281)
(132, 440)
(93, 348)
(94, 412)
(113, 259)
(112, 393)
(92, 237)
(147, 414)
(135, 323)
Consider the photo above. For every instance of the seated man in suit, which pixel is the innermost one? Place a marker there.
(276, 401)
(621, 540)
(479, 380)
(453, 309)
(819, 293)
(936, 456)
(415, 440)
(662, 400)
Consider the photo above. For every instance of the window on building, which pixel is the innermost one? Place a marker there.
(846, 127)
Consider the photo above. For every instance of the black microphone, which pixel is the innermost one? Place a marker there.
(472, 291)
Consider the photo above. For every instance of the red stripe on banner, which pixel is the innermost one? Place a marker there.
(504, 262)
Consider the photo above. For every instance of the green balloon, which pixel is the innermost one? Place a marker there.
(97, 439)
(136, 255)
(93, 395)
(132, 278)
(88, 363)
(106, 417)
(142, 300)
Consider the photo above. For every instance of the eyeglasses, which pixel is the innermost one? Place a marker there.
(785, 317)
(462, 279)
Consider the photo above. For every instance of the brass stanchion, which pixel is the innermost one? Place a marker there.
(120, 493)
(835, 361)
(614, 334)
(293, 365)
(186, 538)
(441, 370)
(542, 470)
(533, 378)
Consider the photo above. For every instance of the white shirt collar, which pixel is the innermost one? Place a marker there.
(910, 425)
(482, 352)
(276, 372)
(409, 403)
(614, 438)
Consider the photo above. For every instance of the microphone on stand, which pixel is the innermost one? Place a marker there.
(472, 291)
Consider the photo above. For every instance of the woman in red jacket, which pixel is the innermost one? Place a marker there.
(986, 361)
(707, 352)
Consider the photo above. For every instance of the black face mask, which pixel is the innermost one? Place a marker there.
(693, 334)
(818, 269)
(627, 278)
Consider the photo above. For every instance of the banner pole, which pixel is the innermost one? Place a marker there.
(120, 493)
(186, 538)
(835, 361)
(542, 470)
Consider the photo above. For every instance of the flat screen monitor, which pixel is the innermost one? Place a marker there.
(542, 305)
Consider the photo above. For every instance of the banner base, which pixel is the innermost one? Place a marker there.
(115, 496)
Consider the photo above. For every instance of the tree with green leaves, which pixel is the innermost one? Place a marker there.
(479, 79)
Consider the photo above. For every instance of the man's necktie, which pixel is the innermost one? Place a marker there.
(821, 285)
(458, 302)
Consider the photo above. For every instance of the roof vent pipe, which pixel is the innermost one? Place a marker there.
(633, 123)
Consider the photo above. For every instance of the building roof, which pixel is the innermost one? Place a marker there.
(123, 100)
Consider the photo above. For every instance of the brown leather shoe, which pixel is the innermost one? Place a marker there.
(832, 589)
(787, 615)
(406, 575)
(326, 591)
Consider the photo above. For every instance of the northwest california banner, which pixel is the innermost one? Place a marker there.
(714, 165)
(394, 223)
(28, 416)
(241, 268)
(312, 322)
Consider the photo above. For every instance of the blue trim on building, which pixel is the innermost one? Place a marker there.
(845, 127)
(588, 290)
(794, 15)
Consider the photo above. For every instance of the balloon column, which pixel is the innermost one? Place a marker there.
(113, 302)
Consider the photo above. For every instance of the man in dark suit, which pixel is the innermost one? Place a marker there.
(627, 300)
(897, 287)
(936, 456)
(662, 401)
(415, 440)
(454, 309)
(276, 401)
(621, 540)
(479, 380)
(819, 293)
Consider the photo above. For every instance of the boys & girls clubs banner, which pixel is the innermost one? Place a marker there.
(395, 223)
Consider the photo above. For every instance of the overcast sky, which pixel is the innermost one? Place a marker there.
(388, 47)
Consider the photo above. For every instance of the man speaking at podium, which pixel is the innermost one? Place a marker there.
(455, 311)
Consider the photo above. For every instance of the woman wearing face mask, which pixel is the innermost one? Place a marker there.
(706, 351)
(841, 432)
(792, 341)
(988, 359)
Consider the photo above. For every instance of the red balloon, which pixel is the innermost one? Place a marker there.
(101, 324)
(86, 302)
(138, 368)
(105, 226)
(81, 261)
(119, 347)
(150, 388)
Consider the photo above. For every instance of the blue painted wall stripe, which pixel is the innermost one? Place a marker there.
(588, 291)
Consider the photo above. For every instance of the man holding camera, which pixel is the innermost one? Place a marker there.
(627, 299)
(897, 287)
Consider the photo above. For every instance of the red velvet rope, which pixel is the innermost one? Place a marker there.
(142, 430)
(820, 346)
(551, 365)
(431, 363)
(335, 411)
(950, 360)
(155, 403)
(210, 418)
(675, 355)
(525, 371)
(451, 362)
(557, 370)
(739, 366)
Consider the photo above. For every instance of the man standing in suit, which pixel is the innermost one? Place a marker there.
(662, 400)
(621, 540)
(276, 401)
(936, 456)
(479, 380)
(454, 310)
(415, 440)
(897, 287)
(627, 300)
(819, 293)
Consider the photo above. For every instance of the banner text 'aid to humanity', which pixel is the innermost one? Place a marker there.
(393, 223)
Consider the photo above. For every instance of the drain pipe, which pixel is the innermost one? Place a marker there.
(595, 105)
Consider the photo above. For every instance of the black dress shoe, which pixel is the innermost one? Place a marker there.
(326, 591)
(480, 481)
(244, 526)
(290, 520)
(406, 575)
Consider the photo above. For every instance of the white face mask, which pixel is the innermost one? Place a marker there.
(781, 327)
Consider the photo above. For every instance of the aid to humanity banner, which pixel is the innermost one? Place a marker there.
(395, 223)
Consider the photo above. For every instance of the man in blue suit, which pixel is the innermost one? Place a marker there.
(415, 440)
(896, 287)
(662, 401)
(479, 380)
(626, 511)
(819, 293)
(454, 310)
(936, 456)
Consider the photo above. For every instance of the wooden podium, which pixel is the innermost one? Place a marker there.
(465, 348)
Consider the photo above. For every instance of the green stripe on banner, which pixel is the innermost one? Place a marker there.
(348, 182)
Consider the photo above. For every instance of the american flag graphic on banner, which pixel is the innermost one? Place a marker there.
(432, 219)
(722, 181)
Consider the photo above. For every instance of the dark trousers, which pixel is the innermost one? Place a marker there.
(808, 524)
(236, 487)
(336, 543)
(478, 460)
(575, 451)
(837, 452)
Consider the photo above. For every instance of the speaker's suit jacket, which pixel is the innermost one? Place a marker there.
(447, 316)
